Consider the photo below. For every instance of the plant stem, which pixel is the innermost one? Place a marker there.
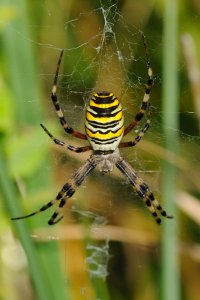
(170, 268)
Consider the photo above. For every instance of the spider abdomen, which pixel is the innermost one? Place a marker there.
(104, 123)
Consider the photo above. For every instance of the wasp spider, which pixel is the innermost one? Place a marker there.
(104, 130)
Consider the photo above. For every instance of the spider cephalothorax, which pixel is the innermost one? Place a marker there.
(105, 161)
(104, 129)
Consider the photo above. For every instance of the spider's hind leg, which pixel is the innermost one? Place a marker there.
(142, 189)
(66, 192)
(157, 206)
(43, 208)
(70, 187)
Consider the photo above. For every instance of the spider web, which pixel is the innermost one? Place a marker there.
(103, 62)
(110, 58)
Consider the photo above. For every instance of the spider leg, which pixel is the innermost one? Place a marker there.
(145, 102)
(43, 208)
(142, 189)
(66, 192)
(70, 188)
(58, 109)
(138, 137)
(63, 144)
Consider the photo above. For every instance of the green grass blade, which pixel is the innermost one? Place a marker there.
(19, 54)
(19, 61)
(170, 268)
(10, 198)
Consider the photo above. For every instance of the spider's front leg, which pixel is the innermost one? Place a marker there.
(143, 191)
(145, 102)
(66, 192)
(57, 107)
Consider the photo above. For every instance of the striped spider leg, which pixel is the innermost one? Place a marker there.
(66, 192)
(142, 189)
(63, 144)
(145, 102)
(57, 107)
(104, 130)
(138, 137)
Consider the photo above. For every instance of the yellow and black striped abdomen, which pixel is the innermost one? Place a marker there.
(104, 124)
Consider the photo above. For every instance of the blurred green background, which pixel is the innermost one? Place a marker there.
(108, 245)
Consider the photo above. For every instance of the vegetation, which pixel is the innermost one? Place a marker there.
(107, 246)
